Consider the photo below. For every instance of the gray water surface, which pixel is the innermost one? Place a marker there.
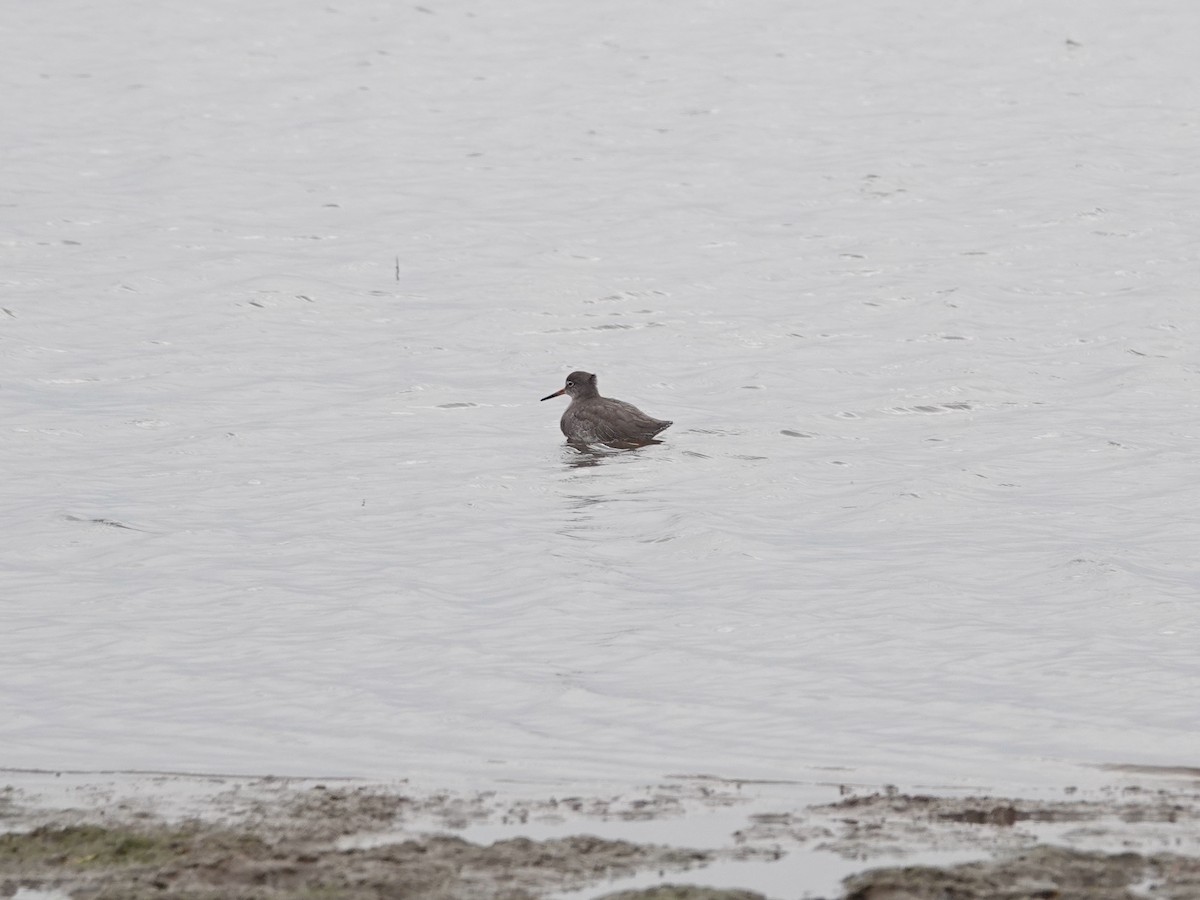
(283, 284)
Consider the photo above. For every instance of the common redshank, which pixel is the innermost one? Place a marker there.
(592, 419)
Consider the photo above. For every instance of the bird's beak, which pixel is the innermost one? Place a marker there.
(557, 393)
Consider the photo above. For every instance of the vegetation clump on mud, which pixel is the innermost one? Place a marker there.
(1042, 873)
(95, 847)
(196, 862)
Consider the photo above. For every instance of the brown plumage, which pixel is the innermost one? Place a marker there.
(592, 419)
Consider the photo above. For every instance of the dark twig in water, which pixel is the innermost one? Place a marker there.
(111, 523)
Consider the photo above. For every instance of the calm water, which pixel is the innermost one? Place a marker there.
(283, 284)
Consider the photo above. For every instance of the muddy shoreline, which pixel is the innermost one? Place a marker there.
(91, 836)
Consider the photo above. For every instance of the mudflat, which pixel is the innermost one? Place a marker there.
(199, 837)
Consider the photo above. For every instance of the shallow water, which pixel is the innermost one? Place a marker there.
(283, 285)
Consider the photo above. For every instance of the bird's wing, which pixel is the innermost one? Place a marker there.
(636, 424)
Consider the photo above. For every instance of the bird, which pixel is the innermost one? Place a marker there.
(592, 419)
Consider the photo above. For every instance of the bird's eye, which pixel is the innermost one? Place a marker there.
(570, 384)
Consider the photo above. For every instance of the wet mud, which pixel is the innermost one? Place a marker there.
(269, 840)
